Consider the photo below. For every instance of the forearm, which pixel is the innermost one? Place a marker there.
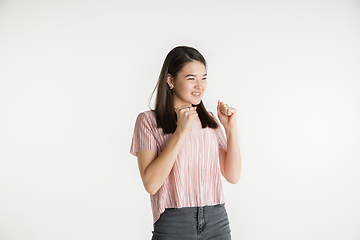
(158, 170)
(232, 163)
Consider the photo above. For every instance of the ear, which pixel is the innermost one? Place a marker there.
(170, 81)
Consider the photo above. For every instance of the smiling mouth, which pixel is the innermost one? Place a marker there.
(196, 94)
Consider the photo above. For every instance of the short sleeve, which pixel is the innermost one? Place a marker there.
(143, 137)
(219, 133)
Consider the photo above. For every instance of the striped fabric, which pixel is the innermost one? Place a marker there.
(195, 179)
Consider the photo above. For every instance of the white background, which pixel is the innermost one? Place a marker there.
(75, 74)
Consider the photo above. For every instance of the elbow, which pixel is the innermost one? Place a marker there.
(231, 177)
(234, 180)
(151, 189)
(150, 185)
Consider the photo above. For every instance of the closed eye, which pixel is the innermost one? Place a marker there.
(191, 78)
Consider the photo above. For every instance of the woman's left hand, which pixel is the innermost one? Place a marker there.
(227, 115)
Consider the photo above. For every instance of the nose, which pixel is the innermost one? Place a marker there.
(198, 84)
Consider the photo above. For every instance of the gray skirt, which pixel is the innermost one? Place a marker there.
(208, 222)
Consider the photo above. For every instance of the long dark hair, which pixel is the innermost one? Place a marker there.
(164, 105)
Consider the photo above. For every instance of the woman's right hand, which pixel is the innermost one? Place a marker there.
(185, 118)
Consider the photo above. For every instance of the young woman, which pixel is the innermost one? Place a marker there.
(182, 152)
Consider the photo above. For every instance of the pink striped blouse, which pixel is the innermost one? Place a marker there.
(195, 179)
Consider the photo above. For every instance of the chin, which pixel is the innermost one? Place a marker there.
(196, 102)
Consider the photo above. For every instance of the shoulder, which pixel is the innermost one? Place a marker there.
(213, 116)
(147, 117)
(147, 114)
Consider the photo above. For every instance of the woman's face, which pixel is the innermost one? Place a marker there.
(189, 85)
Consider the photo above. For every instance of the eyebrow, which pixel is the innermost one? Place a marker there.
(192, 75)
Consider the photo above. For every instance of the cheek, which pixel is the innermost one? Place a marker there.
(184, 89)
(204, 85)
(189, 87)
